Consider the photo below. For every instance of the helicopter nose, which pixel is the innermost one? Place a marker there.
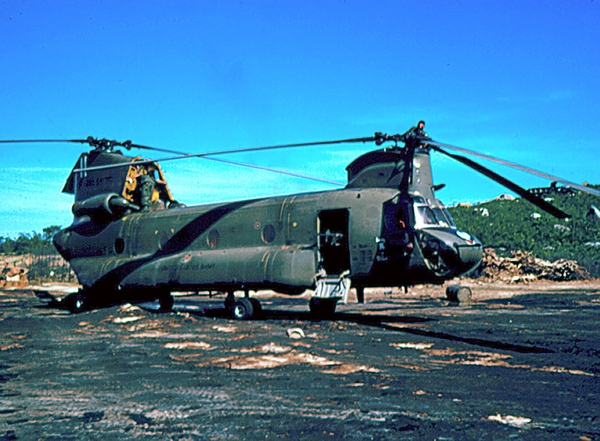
(470, 252)
(470, 255)
(450, 251)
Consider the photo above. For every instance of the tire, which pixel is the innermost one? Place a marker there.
(76, 303)
(257, 307)
(243, 309)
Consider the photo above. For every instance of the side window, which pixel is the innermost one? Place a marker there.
(425, 215)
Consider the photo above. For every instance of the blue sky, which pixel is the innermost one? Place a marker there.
(512, 79)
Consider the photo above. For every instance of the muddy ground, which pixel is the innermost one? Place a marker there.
(519, 362)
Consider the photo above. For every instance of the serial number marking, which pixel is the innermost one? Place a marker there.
(197, 266)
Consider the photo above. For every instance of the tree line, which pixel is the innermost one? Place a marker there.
(28, 243)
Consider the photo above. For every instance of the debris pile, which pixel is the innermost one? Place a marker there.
(523, 267)
(13, 277)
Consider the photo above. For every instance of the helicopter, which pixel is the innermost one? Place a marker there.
(131, 241)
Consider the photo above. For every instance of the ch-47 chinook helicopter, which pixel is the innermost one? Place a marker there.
(130, 240)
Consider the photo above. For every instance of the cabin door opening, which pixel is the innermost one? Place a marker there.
(332, 226)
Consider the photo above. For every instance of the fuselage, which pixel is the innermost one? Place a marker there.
(278, 243)
(385, 228)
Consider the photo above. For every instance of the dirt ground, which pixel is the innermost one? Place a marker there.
(518, 362)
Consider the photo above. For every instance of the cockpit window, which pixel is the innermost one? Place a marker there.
(449, 217)
(425, 215)
(443, 217)
(436, 216)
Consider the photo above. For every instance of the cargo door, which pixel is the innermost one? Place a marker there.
(332, 227)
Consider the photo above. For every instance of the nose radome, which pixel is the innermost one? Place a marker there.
(470, 256)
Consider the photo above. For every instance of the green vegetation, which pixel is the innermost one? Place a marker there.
(512, 225)
(34, 243)
(37, 254)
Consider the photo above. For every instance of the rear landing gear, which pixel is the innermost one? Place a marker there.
(244, 308)
(360, 294)
(79, 303)
(229, 301)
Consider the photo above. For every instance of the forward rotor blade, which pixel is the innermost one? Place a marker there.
(583, 188)
(537, 201)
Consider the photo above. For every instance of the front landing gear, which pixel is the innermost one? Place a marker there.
(244, 308)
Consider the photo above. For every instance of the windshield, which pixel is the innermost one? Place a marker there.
(437, 216)
(425, 215)
(443, 217)
(449, 217)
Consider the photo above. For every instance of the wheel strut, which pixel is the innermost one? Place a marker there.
(229, 301)
(360, 294)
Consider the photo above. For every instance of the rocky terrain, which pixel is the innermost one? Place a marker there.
(517, 362)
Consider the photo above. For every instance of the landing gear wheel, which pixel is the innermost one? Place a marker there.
(76, 303)
(165, 302)
(322, 308)
(257, 307)
(243, 309)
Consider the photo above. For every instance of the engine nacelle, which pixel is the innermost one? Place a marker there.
(103, 205)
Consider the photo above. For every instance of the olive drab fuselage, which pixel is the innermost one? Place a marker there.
(385, 228)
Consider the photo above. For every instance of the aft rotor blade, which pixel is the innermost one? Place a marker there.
(22, 141)
(274, 170)
(583, 188)
(128, 144)
(183, 155)
(208, 155)
(255, 149)
(537, 201)
(225, 161)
